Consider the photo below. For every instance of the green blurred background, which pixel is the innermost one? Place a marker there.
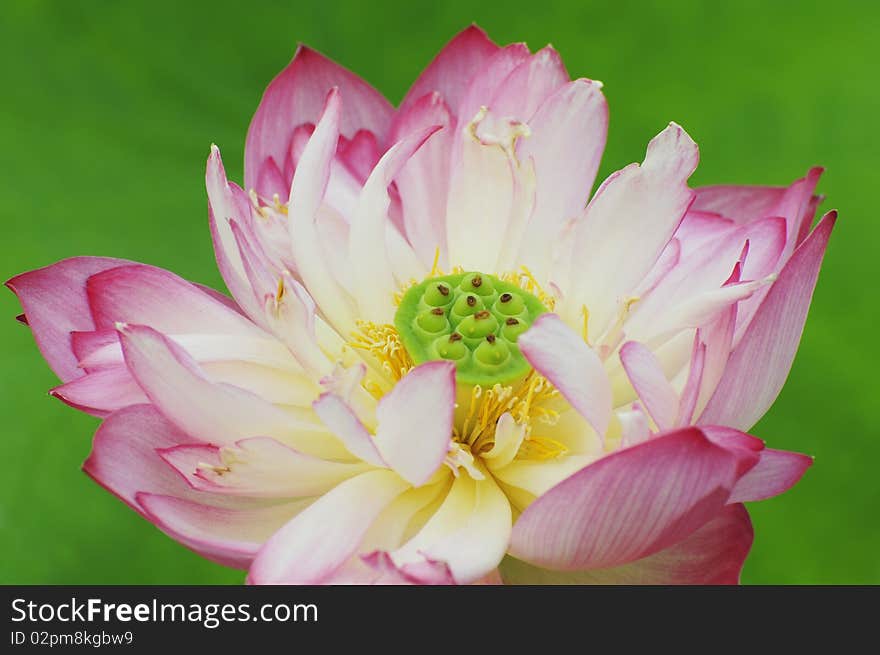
(108, 110)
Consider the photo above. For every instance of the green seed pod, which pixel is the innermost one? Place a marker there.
(509, 304)
(512, 328)
(477, 283)
(467, 304)
(471, 319)
(479, 325)
(433, 321)
(451, 347)
(438, 295)
(492, 352)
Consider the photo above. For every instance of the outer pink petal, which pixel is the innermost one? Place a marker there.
(796, 203)
(231, 536)
(572, 366)
(452, 69)
(415, 421)
(143, 294)
(205, 410)
(360, 153)
(124, 461)
(55, 304)
(297, 95)
(712, 555)
(529, 85)
(258, 467)
(760, 363)
(323, 537)
(486, 82)
(777, 471)
(628, 505)
(101, 392)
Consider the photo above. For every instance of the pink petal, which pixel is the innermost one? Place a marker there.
(320, 539)
(297, 95)
(691, 289)
(256, 467)
(634, 426)
(292, 318)
(271, 181)
(124, 461)
(307, 193)
(360, 154)
(691, 392)
(529, 85)
(742, 204)
(776, 472)
(484, 199)
(373, 277)
(488, 80)
(429, 572)
(628, 505)
(143, 294)
(423, 182)
(453, 67)
(55, 304)
(345, 424)
(228, 201)
(572, 366)
(231, 536)
(415, 421)
(206, 411)
(566, 144)
(712, 555)
(760, 363)
(717, 337)
(614, 223)
(647, 377)
(101, 392)
(698, 229)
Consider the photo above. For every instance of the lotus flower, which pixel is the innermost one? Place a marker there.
(444, 361)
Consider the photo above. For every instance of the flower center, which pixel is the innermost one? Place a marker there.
(472, 319)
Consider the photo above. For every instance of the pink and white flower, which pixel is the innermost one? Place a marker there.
(291, 433)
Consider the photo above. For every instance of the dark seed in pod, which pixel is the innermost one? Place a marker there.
(512, 321)
(455, 336)
(443, 289)
(437, 311)
(477, 281)
(479, 316)
(490, 338)
(471, 301)
(506, 297)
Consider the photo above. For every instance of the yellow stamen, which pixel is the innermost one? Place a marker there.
(383, 343)
(526, 401)
(526, 281)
